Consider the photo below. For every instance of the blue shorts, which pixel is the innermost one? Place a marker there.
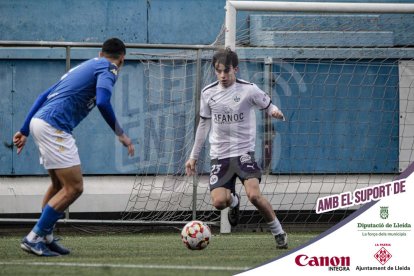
(225, 171)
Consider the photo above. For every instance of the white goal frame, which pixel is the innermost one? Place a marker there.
(233, 6)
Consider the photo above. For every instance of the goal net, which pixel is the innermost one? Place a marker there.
(162, 193)
(344, 81)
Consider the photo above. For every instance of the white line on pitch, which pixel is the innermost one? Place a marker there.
(178, 267)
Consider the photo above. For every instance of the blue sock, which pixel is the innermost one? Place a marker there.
(53, 228)
(47, 221)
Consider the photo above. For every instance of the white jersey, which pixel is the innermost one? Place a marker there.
(233, 119)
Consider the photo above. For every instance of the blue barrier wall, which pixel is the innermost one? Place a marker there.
(24, 73)
(346, 121)
(134, 21)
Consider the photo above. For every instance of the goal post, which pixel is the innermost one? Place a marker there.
(324, 7)
(230, 32)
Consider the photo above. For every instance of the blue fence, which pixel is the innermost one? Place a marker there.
(344, 121)
(342, 117)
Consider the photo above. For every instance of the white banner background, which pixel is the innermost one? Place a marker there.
(360, 244)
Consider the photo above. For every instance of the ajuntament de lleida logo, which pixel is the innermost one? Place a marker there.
(384, 212)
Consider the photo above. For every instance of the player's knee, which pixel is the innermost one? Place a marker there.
(56, 185)
(219, 204)
(254, 198)
(76, 190)
(79, 190)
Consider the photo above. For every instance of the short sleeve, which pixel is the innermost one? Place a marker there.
(260, 98)
(205, 110)
(106, 77)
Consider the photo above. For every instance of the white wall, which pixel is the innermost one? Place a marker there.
(111, 193)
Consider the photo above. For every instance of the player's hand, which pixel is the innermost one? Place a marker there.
(190, 167)
(19, 140)
(278, 114)
(124, 139)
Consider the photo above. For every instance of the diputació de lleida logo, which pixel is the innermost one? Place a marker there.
(384, 212)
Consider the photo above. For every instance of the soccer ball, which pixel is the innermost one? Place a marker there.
(196, 235)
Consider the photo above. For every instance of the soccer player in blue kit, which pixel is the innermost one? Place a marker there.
(53, 116)
(227, 115)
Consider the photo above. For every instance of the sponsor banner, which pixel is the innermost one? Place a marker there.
(375, 240)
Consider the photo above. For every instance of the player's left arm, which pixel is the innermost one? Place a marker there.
(275, 112)
(103, 102)
(263, 101)
(106, 78)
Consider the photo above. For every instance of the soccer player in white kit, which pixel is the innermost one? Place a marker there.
(227, 114)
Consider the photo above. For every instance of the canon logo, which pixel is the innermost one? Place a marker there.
(304, 260)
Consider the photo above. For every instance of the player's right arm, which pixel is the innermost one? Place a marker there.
(20, 137)
(201, 134)
(19, 140)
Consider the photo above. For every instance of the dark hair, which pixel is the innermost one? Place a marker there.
(226, 57)
(113, 48)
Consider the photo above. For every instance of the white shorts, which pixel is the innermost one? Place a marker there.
(57, 148)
